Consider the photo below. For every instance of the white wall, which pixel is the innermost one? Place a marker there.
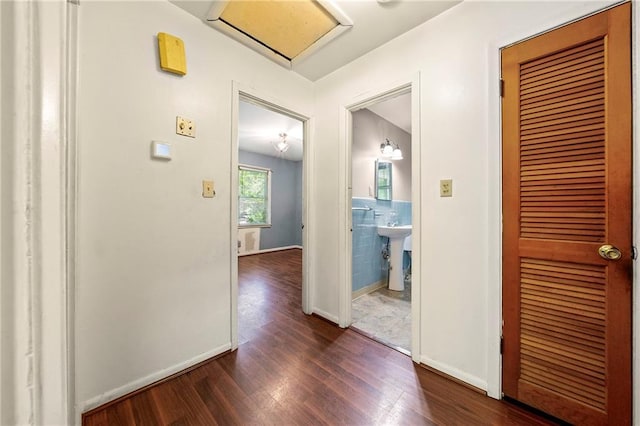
(153, 266)
(456, 56)
(369, 131)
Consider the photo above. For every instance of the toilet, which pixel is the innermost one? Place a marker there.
(407, 248)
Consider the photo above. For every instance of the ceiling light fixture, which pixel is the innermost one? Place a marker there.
(283, 145)
(390, 150)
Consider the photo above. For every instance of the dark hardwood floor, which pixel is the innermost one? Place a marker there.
(296, 369)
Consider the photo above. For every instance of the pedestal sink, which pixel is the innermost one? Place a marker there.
(396, 235)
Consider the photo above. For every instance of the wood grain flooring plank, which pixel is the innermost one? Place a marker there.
(294, 369)
(144, 410)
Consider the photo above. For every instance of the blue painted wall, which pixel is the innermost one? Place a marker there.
(286, 199)
(368, 267)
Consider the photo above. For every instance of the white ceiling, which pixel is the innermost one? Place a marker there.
(374, 24)
(258, 130)
(258, 127)
(396, 110)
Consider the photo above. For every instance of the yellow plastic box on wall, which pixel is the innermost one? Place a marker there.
(172, 56)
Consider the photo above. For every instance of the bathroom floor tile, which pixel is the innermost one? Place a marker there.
(385, 315)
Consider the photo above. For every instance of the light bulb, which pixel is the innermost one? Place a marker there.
(397, 154)
(283, 146)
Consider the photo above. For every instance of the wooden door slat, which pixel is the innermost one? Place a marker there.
(579, 101)
(550, 100)
(567, 113)
(577, 83)
(579, 70)
(592, 135)
(566, 64)
(562, 57)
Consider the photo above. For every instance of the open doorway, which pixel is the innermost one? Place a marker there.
(381, 220)
(268, 194)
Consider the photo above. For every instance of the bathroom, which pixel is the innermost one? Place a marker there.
(381, 199)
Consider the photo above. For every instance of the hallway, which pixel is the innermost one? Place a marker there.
(296, 369)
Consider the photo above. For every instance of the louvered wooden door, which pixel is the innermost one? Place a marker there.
(566, 193)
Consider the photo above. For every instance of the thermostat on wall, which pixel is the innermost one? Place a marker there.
(161, 150)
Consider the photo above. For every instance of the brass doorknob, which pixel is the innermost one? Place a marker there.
(609, 252)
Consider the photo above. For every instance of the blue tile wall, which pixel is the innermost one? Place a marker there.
(368, 267)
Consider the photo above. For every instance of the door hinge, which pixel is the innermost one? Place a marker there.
(634, 253)
(501, 345)
(501, 88)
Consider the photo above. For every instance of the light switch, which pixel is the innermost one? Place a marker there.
(207, 189)
(185, 127)
(446, 187)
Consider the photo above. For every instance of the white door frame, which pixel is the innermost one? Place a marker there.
(407, 85)
(267, 101)
(38, 204)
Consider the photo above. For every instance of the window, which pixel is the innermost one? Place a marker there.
(254, 196)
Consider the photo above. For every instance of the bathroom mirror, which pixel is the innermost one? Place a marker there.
(383, 180)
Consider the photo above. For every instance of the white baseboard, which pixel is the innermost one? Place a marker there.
(269, 250)
(145, 381)
(368, 289)
(454, 372)
(326, 315)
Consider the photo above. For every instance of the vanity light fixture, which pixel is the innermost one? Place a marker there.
(283, 145)
(391, 150)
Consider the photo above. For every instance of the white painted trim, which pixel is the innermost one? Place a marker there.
(416, 218)
(455, 373)
(308, 218)
(36, 382)
(322, 41)
(345, 237)
(264, 100)
(367, 289)
(494, 228)
(494, 185)
(150, 379)
(71, 202)
(233, 211)
(387, 91)
(269, 250)
(326, 315)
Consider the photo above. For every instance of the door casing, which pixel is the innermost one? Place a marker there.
(408, 85)
(267, 101)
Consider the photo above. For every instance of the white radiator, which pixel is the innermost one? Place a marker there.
(248, 240)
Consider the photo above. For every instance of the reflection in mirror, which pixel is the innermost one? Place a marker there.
(383, 180)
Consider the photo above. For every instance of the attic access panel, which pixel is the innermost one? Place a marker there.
(283, 30)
